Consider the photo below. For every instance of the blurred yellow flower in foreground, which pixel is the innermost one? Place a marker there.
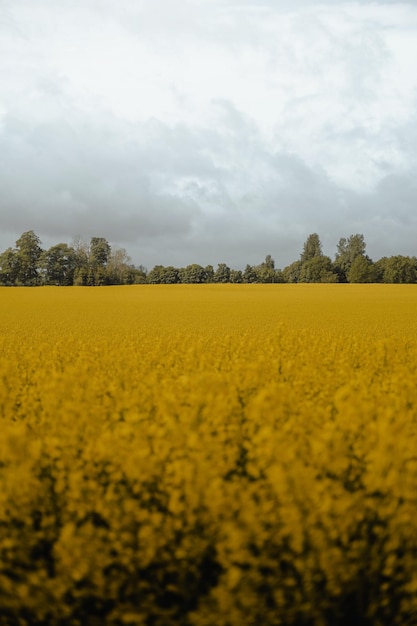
(208, 454)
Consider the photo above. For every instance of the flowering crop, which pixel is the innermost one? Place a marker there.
(208, 454)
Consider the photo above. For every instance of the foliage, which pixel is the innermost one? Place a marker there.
(9, 267)
(348, 249)
(58, 265)
(200, 455)
(397, 269)
(362, 270)
(312, 248)
(222, 273)
(292, 272)
(193, 273)
(97, 264)
(318, 269)
(249, 274)
(28, 255)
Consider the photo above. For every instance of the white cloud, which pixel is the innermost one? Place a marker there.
(216, 129)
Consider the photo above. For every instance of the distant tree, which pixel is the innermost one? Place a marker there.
(28, 251)
(194, 274)
(250, 274)
(100, 251)
(155, 275)
(163, 275)
(318, 269)
(222, 273)
(347, 251)
(312, 248)
(209, 274)
(236, 276)
(81, 275)
(362, 270)
(291, 273)
(397, 269)
(58, 265)
(170, 275)
(9, 267)
(279, 276)
(139, 274)
(119, 269)
(266, 272)
(269, 262)
(99, 255)
(81, 250)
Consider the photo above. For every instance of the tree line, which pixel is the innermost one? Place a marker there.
(96, 263)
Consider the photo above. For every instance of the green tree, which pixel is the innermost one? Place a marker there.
(59, 264)
(250, 274)
(397, 269)
(312, 248)
(119, 269)
(81, 250)
(209, 272)
(291, 273)
(222, 273)
(100, 251)
(155, 275)
(29, 251)
(9, 267)
(99, 254)
(266, 272)
(139, 274)
(236, 276)
(193, 273)
(170, 275)
(318, 269)
(362, 270)
(163, 275)
(347, 251)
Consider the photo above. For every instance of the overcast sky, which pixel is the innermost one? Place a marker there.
(209, 131)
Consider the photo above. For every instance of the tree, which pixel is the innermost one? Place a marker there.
(222, 273)
(209, 274)
(99, 254)
(236, 276)
(319, 269)
(139, 274)
(154, 276)
(312, 248)
(291, 273)
(9, 267)
(397, 269)
(100, 250)
(250, 274)
(120, 270)
(81, 250)
(163, 275)
(28, 251)
(193, 273)
(362, 270)
(347, 251)
(59, 264)
(266, 272)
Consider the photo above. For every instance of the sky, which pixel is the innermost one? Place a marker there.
(209, 131)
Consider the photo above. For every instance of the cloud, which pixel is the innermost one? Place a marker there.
(209, 131)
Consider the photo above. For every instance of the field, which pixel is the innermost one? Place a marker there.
(203, 455)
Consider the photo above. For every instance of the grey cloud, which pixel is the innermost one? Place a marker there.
(179, 195)
(68, 178)
(217, 188)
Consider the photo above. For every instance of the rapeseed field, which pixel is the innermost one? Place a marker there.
(208, 455)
